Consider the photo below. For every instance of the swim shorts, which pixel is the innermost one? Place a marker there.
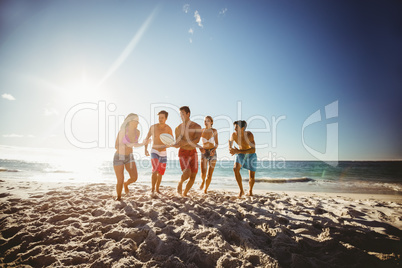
(158, 160)
(247, 161)
(122, 159)
(188, 160)
(207, 155)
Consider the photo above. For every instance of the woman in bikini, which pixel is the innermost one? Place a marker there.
(127, 138)
(209, 139)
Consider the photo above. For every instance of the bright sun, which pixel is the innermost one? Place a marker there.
(83, 89)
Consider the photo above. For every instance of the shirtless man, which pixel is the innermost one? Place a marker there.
(245, 155)
(158, 152)
(188, 134)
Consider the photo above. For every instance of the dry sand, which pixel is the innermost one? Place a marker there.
(84, 227)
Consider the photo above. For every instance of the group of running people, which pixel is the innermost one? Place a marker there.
(187, 137)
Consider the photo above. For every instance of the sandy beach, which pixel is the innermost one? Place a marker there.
(82, 226)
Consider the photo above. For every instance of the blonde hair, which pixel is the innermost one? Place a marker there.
(210, 118)
(129, 118)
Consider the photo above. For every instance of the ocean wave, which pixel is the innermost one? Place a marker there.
(359, 186)
(397, 187)
(283, 180)
(8, 170)
(49, 170)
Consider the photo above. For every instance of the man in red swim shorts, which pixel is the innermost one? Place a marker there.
(188, 134)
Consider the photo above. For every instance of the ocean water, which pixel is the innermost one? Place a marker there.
(311, 176)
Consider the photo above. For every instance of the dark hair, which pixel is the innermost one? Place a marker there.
(241, 123)
(164, 112)
(185, 108)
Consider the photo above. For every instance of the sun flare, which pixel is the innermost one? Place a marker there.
(82, 89)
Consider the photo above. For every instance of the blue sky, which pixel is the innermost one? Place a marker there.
(273, 63)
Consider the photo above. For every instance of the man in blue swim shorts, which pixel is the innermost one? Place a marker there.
(245, 154)
(158, 152)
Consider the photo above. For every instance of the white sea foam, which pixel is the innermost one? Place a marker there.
(96, 166)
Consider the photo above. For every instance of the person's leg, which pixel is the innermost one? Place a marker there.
(211, 169)
(161, 171)
(236, 170)
(251, 182)
(158, 182)
(119, 170)
(204, 166)
(132, 171)
(193, 166)
(190, 183)
(154, 163)
(158, 169)
(186, 174)
(154, 179)
(185, 168)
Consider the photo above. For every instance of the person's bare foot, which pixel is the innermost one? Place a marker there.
(241, 194)
(180, 188)
(126, 190)
(117, 198)
(250, 193)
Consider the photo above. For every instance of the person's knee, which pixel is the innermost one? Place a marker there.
(203, 172)
(236, 169)
(134, 177)
(192, 177)
(209, 175)
(211, 171)
(187, 172)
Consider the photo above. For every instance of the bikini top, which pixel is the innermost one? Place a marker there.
(211, 140)
(126, 139)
